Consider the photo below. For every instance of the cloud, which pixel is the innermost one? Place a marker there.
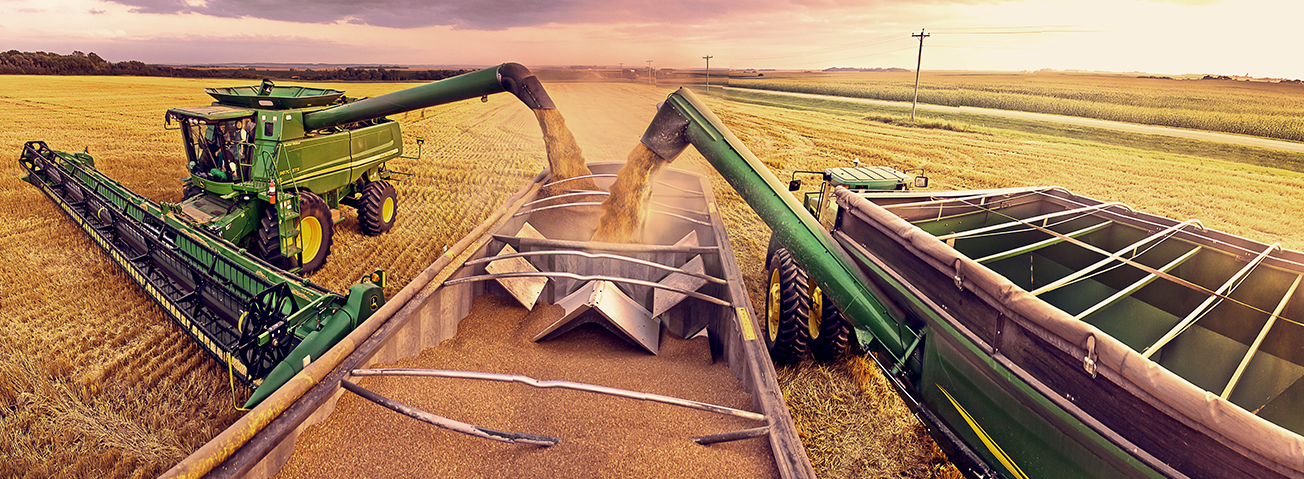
(96, 12)
(498, 14)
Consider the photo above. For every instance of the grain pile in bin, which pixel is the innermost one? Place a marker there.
(602, 436)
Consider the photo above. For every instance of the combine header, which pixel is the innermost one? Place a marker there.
(269, 166)
(261, 322)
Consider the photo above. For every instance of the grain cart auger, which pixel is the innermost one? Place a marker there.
(270, 165)
(252, 312)
(816, 291)
(814, 261)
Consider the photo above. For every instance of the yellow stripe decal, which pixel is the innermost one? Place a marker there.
(745, 324)
(987, 440)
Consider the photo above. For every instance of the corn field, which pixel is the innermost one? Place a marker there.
(1270, 110)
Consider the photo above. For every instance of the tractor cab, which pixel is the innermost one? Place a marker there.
(860, 179)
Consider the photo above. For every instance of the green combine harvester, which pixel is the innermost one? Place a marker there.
(269, 165)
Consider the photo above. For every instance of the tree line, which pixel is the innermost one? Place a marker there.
(14, 62)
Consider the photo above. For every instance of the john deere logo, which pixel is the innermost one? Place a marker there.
(375, 303)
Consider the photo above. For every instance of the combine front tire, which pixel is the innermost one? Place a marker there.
(787, 304)
(316, 231)
(190, 190)
(266, 242)
(830, 332)
(378, 208)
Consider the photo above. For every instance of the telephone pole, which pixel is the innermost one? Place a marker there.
(918, 63)
(708, 73)
(650, 79)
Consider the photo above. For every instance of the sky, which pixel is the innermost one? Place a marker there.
(1226, 37)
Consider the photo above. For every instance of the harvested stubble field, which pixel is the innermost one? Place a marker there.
(95, 381)
(1255, 108)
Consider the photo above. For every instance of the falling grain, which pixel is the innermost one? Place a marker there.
(565, 158)
(624, 213)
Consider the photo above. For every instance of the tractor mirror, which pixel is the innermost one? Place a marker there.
(794, 185)
(921, 182)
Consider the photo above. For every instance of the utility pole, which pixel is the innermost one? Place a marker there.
(708, 73)
(622, 71)
(650, 80)
(918, 63)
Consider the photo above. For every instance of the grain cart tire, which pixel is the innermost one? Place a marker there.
(787, 304)
(316, 230)
(378, 208)
(829, 335)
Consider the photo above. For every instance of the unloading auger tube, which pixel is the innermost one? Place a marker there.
(260, 323)
(683, 119)
(508, 77)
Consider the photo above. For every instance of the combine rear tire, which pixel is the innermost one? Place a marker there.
(316, 230)
(830, 333)
(378, 208)
(787, 305)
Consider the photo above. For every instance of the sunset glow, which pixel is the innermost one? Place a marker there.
(1169, 37)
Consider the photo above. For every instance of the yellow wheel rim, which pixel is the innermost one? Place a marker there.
(310, 238)
(772, 307)
(387, 210)
(816, 316)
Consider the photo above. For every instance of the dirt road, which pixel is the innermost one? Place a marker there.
(1068, 120)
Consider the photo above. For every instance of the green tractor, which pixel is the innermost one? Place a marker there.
(270, 165)
(799, 317)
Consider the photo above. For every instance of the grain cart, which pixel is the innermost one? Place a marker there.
(1041, 333)
(257, 318)
(270, 165)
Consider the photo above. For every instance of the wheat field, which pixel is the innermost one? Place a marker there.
(94, 381)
